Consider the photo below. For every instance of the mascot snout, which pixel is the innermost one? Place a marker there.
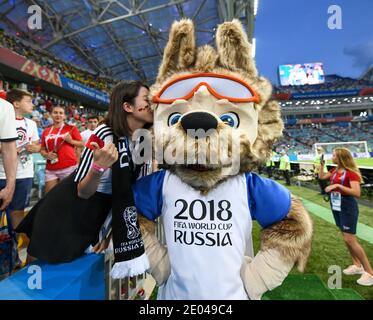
(199, 120)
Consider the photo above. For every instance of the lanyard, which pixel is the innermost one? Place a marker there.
(56, 138)
(342, 179)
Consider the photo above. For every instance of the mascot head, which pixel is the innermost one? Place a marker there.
(213, 114)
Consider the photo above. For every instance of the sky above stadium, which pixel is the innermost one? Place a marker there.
(296, 31)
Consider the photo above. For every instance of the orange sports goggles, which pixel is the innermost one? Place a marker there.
(220, 86)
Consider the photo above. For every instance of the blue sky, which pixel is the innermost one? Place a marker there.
(296, 31)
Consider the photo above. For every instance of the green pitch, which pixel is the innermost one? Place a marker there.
(328, 249)
(364, 162)
(368, 162)
(309, 287)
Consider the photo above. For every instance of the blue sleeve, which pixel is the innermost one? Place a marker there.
(269, 201)
(147, 193)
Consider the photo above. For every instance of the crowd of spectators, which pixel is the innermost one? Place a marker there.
(44, 102)
(75, 115)
(299, 139)
(334, 83)
(46, 59)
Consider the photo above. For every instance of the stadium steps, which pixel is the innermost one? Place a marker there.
(361, 130)
(309, 287)
(296, 139)
(326, 133)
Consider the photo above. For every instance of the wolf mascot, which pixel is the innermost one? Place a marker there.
(205, 202)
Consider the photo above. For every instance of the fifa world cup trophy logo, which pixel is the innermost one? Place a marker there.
(130, 217)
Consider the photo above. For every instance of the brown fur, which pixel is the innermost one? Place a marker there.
(234, 49)
(291, 236)
(269, 131)
(232, 57)
(207, 58)
(180, 49)
(146, 226)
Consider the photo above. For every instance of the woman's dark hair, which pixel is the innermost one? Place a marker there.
(124, 91)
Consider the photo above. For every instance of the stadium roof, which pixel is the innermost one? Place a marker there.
(368, 75)
(122, 39)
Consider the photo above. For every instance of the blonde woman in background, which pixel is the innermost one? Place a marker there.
(344, 188)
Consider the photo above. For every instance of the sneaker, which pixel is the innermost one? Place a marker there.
(353, 270)
(366, 280)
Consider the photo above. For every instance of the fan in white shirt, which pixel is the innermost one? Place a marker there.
(8, 135)
(92, 123)
(27, 143)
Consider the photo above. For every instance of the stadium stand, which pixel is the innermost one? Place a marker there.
(300, 139)
(332, 83)
(44, 58)
(338, 110)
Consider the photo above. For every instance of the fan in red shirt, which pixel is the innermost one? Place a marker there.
(344, 188)
(58, 143)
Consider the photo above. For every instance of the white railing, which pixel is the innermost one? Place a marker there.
(131, 288)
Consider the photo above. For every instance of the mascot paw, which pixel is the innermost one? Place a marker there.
(160, 267)
(266, 271)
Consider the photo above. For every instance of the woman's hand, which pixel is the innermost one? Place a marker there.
(6, 196)
(106, 156)
(67, 137)
(101, 246)
(33, 148)
(51, 155)
(331, 187)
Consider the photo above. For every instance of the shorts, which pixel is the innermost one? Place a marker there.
(346, 219)
(58, 174)
(22, 192)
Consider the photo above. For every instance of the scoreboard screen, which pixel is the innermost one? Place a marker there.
(301, 74)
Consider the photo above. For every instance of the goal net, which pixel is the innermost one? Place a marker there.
(359, 149)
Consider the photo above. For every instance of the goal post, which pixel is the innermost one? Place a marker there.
(359, 149)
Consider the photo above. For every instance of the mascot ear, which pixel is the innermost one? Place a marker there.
(179, 52)
(234, 49)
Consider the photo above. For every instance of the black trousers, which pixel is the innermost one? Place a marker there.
(286, 175)
(269, 171)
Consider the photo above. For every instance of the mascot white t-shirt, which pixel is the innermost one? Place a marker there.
(210, 234)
